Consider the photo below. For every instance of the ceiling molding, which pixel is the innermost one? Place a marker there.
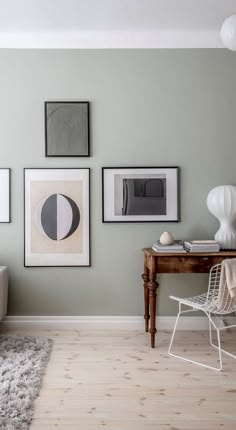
(112, 40)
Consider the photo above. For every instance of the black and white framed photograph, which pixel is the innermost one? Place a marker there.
(67, 129)
(140, 194)
(5, 195)
(57, 217)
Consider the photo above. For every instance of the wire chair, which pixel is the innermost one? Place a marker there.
(216, 301)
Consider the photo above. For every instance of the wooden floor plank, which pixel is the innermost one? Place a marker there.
(114, 380)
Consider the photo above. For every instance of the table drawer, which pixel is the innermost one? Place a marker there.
(187, 264)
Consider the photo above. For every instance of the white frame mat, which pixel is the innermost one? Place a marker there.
(5, 205)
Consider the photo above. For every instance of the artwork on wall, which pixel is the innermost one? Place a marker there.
(140, 194)
(57, 220)
(67, 129)
(5, 204)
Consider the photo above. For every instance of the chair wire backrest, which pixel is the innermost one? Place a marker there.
(218, 296)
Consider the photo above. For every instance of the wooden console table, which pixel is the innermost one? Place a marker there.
(157, 262)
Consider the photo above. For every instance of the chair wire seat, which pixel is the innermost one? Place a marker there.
(204, 302)
(216, 301)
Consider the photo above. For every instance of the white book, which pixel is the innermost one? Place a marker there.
(203, 242)
(201, 249)
(181, 250)
(178, 244)
(196, 245)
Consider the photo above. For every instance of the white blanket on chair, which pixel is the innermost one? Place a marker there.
(229, 266)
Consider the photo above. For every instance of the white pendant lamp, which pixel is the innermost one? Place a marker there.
(228, 33)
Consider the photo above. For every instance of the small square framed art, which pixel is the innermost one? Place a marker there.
(67, 129)
(5, 198)
(140, 194)
(57, 217)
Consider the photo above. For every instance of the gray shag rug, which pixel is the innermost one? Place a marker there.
(22, 363)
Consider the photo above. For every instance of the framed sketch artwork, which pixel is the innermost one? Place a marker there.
(66, 129)
(140, 194)
(57, 220)
(5, 202)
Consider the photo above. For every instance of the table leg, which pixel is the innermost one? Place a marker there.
(152, 287)
(145, 277)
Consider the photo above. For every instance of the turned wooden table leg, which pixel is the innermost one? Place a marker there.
(145, 277)
(152, 287)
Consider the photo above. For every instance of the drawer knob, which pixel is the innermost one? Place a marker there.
(205, 258)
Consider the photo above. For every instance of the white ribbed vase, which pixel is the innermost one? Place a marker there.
(221, 202)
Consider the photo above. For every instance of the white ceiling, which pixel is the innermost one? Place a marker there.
(113, 23)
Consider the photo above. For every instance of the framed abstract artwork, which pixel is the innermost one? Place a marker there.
(5, 199)
(140, 194)
(57, 217)
(66, 129)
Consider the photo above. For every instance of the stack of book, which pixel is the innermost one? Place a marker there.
(202, 246)
(177, 246)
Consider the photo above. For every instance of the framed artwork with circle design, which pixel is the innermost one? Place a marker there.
(67, 129)
(57, 217)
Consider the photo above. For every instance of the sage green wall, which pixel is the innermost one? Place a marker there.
(148, 108)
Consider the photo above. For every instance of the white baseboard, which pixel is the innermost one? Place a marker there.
(104, 322)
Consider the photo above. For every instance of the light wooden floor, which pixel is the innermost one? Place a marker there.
(114, 380)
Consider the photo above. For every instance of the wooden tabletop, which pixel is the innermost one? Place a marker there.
(225, 253)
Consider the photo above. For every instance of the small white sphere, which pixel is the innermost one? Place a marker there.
(166, 238)
(228, 33)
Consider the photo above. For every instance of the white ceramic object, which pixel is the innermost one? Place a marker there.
(228, 33)
(166, 238)
(221, 202)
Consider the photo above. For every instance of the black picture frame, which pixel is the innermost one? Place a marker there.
(114, 194)
(86, 201)
(57, 138)
(5, 195)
